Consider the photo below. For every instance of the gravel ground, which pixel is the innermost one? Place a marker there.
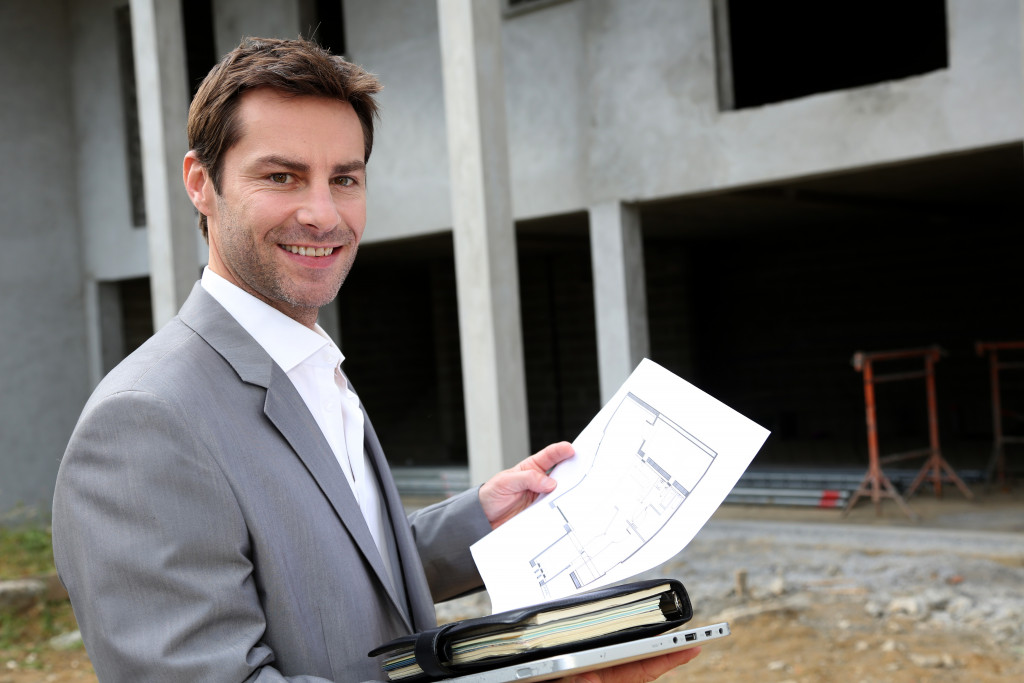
(885, 600)
(956, 580)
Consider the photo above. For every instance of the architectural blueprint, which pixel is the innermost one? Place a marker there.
(647, 466)
(648, 471)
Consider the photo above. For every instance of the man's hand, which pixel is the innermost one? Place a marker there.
(511, 491)
(640, 671)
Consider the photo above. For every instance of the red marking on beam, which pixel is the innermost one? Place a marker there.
(829, 499)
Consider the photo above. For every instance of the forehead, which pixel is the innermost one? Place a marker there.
(300, 125)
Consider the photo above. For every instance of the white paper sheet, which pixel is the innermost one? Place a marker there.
(649, 470)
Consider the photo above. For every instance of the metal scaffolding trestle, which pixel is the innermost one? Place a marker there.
(935, 469)
(997, 465)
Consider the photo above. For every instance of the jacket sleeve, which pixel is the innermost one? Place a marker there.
(443, 532)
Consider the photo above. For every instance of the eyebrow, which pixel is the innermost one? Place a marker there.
(295, 165)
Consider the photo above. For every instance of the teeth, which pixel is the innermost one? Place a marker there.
(309, 251)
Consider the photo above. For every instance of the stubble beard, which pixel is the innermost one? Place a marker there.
(258, 273)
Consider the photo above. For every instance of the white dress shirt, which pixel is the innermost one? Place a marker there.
(313, 363)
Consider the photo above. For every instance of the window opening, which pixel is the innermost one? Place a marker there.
(129, 106)
(775, 51)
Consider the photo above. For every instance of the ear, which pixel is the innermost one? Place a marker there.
(198, 184)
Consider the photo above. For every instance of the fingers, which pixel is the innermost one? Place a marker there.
(511, 491)
(549, 456)
(527, 480)
(531, 474)
(642, 671)
(662, 665)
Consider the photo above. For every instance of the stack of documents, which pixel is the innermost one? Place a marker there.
(601, 617)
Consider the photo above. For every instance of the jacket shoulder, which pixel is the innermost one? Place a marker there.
(170, 359)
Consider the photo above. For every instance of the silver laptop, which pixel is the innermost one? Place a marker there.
(599, 658)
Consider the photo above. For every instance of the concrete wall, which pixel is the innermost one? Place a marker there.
(114, 248)
(408, 172)
(41, 307)
(611, 100)
(575, 73)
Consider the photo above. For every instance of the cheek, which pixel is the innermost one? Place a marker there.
(355, 219)
(261, 213)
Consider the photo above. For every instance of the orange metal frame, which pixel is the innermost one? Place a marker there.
(997, 465)
(935, 469)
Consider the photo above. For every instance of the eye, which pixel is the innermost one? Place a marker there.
(345, 181)
(280, 178)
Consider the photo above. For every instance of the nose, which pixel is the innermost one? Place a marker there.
(318, 209)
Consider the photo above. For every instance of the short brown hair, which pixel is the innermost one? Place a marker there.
(294, 67)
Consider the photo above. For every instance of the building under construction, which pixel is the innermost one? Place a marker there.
(748, 193)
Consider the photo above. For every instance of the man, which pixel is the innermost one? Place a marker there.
(224, 511)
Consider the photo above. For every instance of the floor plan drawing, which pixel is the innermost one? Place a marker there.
(645, 468)
(647, 472)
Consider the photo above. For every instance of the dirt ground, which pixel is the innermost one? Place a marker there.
(838, 641)
(853, 593)
(48, 665)
(827, 641)
(823, 601)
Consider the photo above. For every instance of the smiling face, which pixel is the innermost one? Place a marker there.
(292, 203)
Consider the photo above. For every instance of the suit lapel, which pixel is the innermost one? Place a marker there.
(285, 408)
(421, 605)
(287, 411)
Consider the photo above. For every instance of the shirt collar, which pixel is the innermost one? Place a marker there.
(287, 341)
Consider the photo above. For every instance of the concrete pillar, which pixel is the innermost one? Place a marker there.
(485, 248)
(620, 298)
(163, 96)
(94, 326)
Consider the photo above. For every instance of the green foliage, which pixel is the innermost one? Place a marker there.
(12, 626)
(29, 630)
(25, 552)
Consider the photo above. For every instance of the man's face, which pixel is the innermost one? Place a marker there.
(292, 206)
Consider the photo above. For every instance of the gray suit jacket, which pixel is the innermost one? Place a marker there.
(206, 532)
